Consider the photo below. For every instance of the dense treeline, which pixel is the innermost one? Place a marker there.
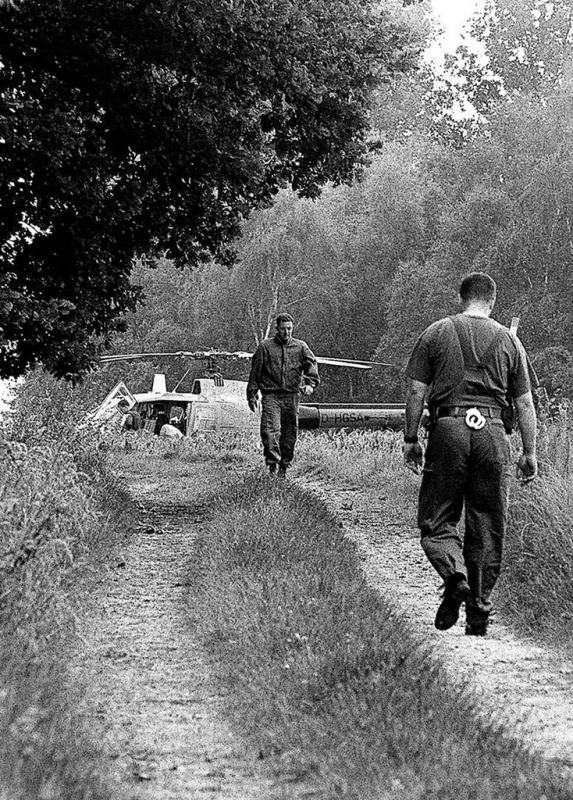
(134, 129)
(364, 268)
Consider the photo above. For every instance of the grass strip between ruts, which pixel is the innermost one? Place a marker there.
(322, 676)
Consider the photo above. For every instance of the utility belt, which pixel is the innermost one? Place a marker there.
(475, 417)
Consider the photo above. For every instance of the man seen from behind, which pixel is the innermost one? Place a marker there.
(282, 369)
(470, 369)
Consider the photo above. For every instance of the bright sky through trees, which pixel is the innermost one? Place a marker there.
(452, 15)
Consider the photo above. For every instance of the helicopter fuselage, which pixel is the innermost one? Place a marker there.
(214, 404)
(211, 405)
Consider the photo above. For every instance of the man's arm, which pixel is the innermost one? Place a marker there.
(413, 454)
(254, 378)
(527, 421)
(310, 370)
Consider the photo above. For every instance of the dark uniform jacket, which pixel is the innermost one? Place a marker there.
(282, 367)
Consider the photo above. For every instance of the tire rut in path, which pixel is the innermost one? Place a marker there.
(526, 686)
(151, 688)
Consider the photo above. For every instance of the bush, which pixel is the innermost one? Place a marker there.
(59, 508)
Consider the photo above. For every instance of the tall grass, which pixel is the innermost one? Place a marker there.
(324, 677)
(353, 458)
(536, 588)
(53, 527)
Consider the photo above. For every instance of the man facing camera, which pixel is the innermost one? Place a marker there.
(282, 369)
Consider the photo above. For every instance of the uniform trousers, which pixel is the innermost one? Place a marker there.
(465, 466)
(279, 426)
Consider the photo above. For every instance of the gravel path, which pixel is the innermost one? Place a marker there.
(151, 689)
(527, 686)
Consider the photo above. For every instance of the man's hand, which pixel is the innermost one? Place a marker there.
(307, 390)
(253, 404)
(414, 457)
(527, 466)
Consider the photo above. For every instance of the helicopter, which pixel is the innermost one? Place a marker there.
(218, 404)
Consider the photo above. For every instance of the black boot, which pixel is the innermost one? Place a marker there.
(477, 616)
(456, 592)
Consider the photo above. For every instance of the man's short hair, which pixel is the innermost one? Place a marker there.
(284, 317)
(477, 286)
(123, 403)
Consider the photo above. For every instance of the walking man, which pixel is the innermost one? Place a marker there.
(470, 369)
(282, 369)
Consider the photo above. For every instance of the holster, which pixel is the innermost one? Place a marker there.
(429, 422)
(508, 416)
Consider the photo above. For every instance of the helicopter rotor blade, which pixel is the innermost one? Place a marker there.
(353, 363)
(199, 355)
(335, 362)
(133, 357)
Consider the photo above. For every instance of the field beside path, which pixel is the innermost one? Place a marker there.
(226, 634)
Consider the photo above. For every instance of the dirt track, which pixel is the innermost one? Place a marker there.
(167, 738)
(513, 680)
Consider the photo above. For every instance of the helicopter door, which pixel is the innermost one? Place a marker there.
(198, 417)
(108, 408)
(205, 417)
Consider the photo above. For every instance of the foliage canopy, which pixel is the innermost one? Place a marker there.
(144, 127)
